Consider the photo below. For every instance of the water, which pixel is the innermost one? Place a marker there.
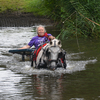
(18, 81)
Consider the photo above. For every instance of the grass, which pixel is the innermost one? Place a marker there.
(34, 6)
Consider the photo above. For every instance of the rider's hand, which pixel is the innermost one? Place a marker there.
(51, 37)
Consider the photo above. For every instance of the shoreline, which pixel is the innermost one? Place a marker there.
(23, 20)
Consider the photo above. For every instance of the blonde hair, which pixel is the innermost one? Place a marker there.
(40, 26)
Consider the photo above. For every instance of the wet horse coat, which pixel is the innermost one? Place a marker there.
(50, 56)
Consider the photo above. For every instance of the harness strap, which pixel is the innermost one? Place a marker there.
(37, 51)
(53, 61)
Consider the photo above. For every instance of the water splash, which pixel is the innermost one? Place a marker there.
(72, 66)
(16, 37)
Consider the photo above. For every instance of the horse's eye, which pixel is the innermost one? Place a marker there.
(50, 43)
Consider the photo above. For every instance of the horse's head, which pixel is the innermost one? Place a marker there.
(53, 52)
(55, 43)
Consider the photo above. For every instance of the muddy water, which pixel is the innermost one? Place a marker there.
(18, 81)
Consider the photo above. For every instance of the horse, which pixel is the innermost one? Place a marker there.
(50, 56)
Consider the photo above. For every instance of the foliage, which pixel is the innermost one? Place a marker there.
(36, 7)
(72, 17)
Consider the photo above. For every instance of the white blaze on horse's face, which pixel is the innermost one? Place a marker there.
(54, 50)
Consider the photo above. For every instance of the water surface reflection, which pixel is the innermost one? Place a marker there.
(18, 81)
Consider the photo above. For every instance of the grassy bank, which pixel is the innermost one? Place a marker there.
(34, 6)
(11, 5)
(72, 17)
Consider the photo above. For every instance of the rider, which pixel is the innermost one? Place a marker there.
(40, 39)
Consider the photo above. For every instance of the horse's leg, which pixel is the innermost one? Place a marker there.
(33, 63)
(64, 59)
(64, 64)
(31, 58)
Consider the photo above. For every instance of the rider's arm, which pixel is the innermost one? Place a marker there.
(25, 47)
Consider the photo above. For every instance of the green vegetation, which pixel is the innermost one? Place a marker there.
(72, 17)
(76, 17)
(36, 7)
(11, 5)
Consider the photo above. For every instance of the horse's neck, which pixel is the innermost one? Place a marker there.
(46, 46)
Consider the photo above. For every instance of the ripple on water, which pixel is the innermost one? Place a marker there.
(13, 84)
(72, 66)
(16, 37)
